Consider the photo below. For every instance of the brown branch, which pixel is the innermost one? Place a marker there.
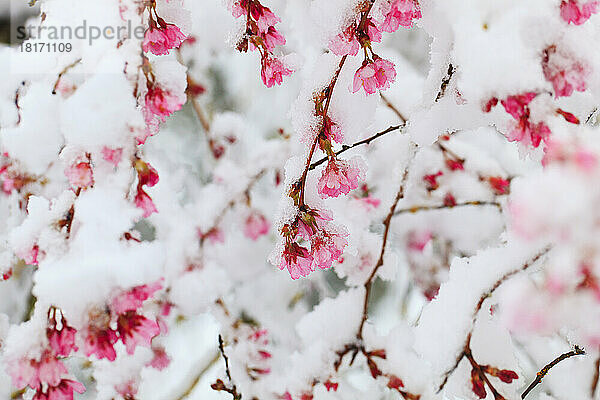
(445, 82)
(483, 297)
(359, 143)
(577, 351)
(328, 92)
(63, 72)
(198, 377)
(392, 107)
(415, 209)
(219, 385)
(386, 223)
(596, 376)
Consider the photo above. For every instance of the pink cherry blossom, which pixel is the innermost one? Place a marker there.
(272, 38)
(373, 32)
(273, 70)
(565, 73)
(113, 156)
(62, 342)
(256, 225)
(332, 130)
(161, 359)
(339, 177)
(30, 256)
(499, 185)
(36, 373)
(159, 40)
(100, 341)
(327, 248)
(585, 160)
(143, 201)
(370, 201)
(418, 240)
(161, 103)
(215, 235)
(135, 329)
(133, 299)
(345, 43)
(517, 105)
(147, 175)
(63, 391)
(80, 174)
(297, 260)
(378, 74)
(529, 133)
(402, 12)
(577, 12)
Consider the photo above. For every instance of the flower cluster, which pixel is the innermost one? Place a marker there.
(262, 35)
(375, 72)
(578, 11)
(132, 328)
(161, 37)
(311, 241)
(565, 74)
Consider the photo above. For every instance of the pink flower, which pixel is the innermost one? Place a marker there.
(147, 175)
(418, 240)
(80, 174)
(339, 177)
(161, 359)
(499, 185)
(345, 43)
(272, 38)
(143, 201)
(100, 341)
(134, 298)
(565, 73)
(33, 373)
(135, 329)
(62, 342)
(215, 235)
(63, 391)
(572, 11)
(431, 180)
(327, 248)
(372, 32)
(256, 225)
(263, 16)
(585, 160)
(273, 70)
(159, 40)
(529, 133)
(402, 12)
(517, 105)
(113, 156)
(378, 74)
(332, 130)
(161, 103)
(297, 260)
(31, 257)
(370, 201)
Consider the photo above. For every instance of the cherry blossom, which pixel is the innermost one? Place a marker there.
(578, 11)
(273, 70)
(255, 225)
(80, 174)
(345, 43)
(401, 13)
(132, 299)
(339, 177)
(161, 37)
(373, 75)
(565, 74)
(161, 102)
(135, 329)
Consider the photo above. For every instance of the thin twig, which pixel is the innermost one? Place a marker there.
(64, 71)
(596, 376)
(386, 223)
(198, 377)
(359, 143)
(577, 351)
(392, 107)
(479, 305)
(445, 82)
(415, 209)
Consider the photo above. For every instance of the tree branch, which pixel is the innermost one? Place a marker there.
(415, 209)
(577, 351)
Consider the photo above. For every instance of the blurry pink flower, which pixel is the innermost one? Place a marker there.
(431, 180)
(35, 374)
(143, 201)
(215, 235)
(402, 12)
(135, 329)
(370, 201)
(256, 225)
(499, 185)
(577, 12)
(565, 74)
(418, 240)
(31, 257)
(297, 260)
(160, 39)
(127, 389)
(63, 391)
(586, 160)
(80, 174)
(338, 177)
(378, 74)
(113, 156)
(62, 342)
(134, 298)
(161, 359)
(455, 165)
(273, 70)
(161, 103)
(100, 342)
(345, 43)
(529, 133)
(517, 105)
